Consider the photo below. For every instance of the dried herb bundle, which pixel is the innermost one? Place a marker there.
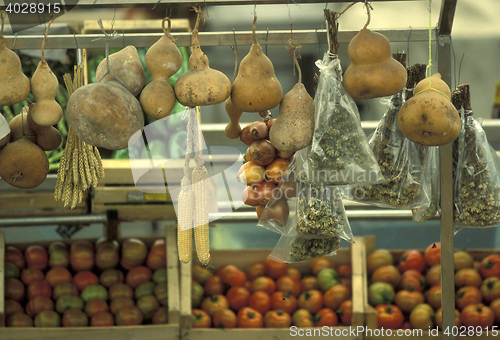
(303, 248)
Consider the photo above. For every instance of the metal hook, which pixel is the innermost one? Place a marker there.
(267, 37)
(234, 38)
(206, 8)
(408, 44)
(156, 4)
(319, 41)
(79, 56)
(14, 42)
(123, 39)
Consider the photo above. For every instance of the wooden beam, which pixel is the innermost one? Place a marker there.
(446, 16)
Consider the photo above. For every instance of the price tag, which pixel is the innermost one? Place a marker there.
(4, 127)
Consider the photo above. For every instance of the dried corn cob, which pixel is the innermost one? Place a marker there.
(185, 224)
(201, 231)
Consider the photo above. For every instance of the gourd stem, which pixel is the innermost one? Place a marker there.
(293, 47)
(166, 31)
(254, 25)
(333, 27)
(235, 62)
(368, 7)
(45, 36)
(198, 18)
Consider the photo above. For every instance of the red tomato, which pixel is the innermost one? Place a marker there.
(294, 272)
(468, 295)
(275, 268)
(277, 319)
(237, 297)
(302, 318)
(249, 318)
(213, 286)
(468, 277)
(433, 275)
(312, 300)
(326, 317)
(308, 283)
(263, 283)
(411, 259)
(288, 284)
(491, 289)
(345, 312)
(200, 319)
(388, 273)
(334, 296)
(224, 318)
(214, 303)
(412, 280)
(433, 296)
(438, 318)
(284, 301)
(462, 259)
(478, 315)
(495, 307)
(389, 316)
(379, 258)
(344, 270)
(232, 276)
(421, 317)
(255, 270)
(432, 254)
(490, 266)
(320, 263)
(260, 301)
(407, 300)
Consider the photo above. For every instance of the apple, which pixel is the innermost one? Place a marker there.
(39, 288)
(161, 293)
(111, 276)
(11, 271)
(38, 304)
(160, 275)
(64, 288)
(201, 274)
(15, 255)
(104, 319)
(19, 319)
(57, 275)
(14, 290)
(58, 255)
(120, 303)
(56, 245)
(138, 275)
(36, 257)
(128, 316)
(107, 255)
(11, 307)
(160, 317)
(75, 318)
(66, 302)
(134, 253)
(96, 306)
(48, 318)
(157, 257)
(148, 306)
(120, 290)
(81, 255)
(85, 278)
(30, 275)
(94, 292)
(146, 288)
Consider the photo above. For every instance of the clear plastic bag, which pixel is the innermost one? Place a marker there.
(339, 152)
(400, 164)
(296, 248)
(477, 179)
(431, 181)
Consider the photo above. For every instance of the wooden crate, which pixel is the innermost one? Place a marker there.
(143, 332)
(242, 259)
(36, 202)
(371, 315)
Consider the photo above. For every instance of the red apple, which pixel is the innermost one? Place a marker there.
(134, 253)
(120, 290)
(75, 318)
(128, 316)
(138, 275)
(157, 257)
(11, 307)
(14, 290)
(30, 275)
(160, 317)
(57, 275)
(48, 318)
(39, 288)
(36, 257)
(66, 302)
(96, 306)
(64, 288)
(104, 319)
(38, 304)
(19, 320)
(107, 255)
(120, 303)
(111, 276)
(148, 306)
(85, 278)
(16, 256)
(81, 255)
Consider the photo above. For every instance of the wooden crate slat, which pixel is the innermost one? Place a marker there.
(32, 200)
(172, 273)
(118, 171)
(42, 212)
(2, 279)
(126, 194)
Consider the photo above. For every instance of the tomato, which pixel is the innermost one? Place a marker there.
(389, 316)
(432, 254)
(433, 275)
(224, 318)
(200, 274)
(327, 278)
(344, 270)
(263, 283)
(345, 312)
(478, 315)
(326, 317)
(213, 303)
(438, 318)
(232, 276)
(237, 297)
(275, 268)
(334, 296)
(249, 318)
(302, 318)
(468, 277)
(312, 300)
(284, 301)
(468, 295)
(412, 280)
(491, 288)
(490, 266)
(389, 274)
(255, 270)
(308, 283)
(294, 272)
(200, 319)
(196, 294)
(495, 307)
(288, 284)
(380, 293)
(433, 296)
(277, 319)
(319, 263)
(379, 258)
(421, 317)
(462, 259)
(260, 301)
(213, 286)
(411, 259)
(406, 300)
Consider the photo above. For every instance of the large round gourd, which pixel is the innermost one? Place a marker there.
(14, 85)
(105, 114)
(373, 72)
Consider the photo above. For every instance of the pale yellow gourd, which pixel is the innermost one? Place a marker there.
(46, 111)
(14, 85)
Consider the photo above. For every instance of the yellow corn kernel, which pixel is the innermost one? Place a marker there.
(201, 228)
(184, 226)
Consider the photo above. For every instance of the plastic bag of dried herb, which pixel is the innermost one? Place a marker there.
(431, 181)
(339, 153)
(477, 179)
